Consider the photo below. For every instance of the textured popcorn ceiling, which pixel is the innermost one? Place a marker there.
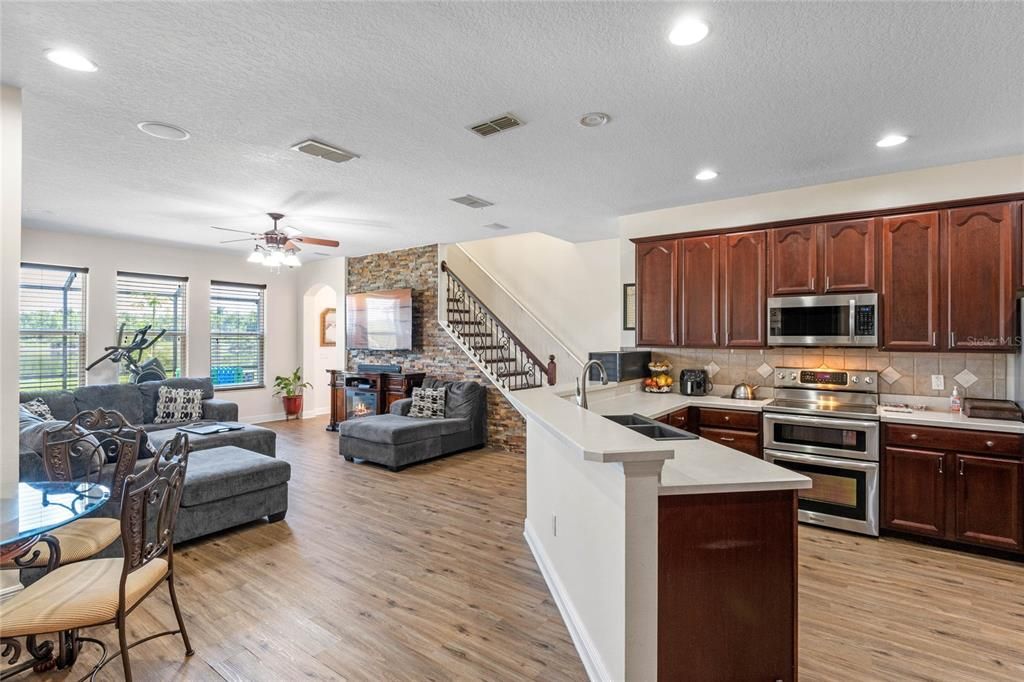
(779, 95)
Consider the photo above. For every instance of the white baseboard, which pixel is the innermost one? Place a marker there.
(597, 671)
(260, 418)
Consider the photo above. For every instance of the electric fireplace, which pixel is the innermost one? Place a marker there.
(360, 402)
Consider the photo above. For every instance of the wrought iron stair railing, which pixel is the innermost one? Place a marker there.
(492, 344)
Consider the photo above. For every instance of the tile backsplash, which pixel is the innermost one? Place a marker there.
(978, 375)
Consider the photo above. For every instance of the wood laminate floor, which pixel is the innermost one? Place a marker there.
(424, 575)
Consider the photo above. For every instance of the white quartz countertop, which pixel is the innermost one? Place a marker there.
(690, 467)
(949, 420)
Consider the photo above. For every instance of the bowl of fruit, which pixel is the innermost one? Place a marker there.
(660, 380)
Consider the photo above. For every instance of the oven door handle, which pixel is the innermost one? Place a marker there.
(824, 422)
(822, 461)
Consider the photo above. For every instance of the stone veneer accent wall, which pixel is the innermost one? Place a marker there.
(434, 352)
(979, 375)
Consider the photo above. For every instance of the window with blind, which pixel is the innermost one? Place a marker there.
(51, 327)
(236, 334)
(159, 301)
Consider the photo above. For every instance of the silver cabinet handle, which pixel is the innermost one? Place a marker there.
(913, 436)
(827, 282)
(952, 339)
(726, 439)
(727, 417)
(989, 444)
(961, 467)
(940, 464)
(812, 282)
(933, 339)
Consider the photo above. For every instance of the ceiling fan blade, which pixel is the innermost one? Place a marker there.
(318, 241)
(243, 239)
(231, 229)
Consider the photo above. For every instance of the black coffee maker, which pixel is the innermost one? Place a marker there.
(695, 382)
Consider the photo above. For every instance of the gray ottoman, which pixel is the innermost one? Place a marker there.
(250, 437)
(228, 486)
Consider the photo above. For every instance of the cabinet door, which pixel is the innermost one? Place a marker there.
(988, 501)
(914, 494)
(849, 249)
(743, 290)
(699, 291)
(657, 266)
(910, 282)
(1020, 244)
(978, 272)
(793, 260)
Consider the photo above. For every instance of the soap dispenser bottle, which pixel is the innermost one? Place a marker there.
(954, 401)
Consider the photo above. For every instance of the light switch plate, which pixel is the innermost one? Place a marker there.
(938, 382)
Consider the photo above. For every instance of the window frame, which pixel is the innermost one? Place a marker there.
(179, 337)
(81, 334)
(219, 290)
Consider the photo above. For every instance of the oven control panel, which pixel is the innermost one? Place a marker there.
(827, 379)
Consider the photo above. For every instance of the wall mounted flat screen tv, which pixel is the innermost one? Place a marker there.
(379, 320)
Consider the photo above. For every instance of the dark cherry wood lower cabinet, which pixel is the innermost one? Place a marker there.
(736, 429)
(708, 547)
(956, 485)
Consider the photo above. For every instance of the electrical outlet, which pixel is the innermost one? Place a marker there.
(938, 382)
(554, 525)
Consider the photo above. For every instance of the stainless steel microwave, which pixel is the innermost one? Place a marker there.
(831, 320)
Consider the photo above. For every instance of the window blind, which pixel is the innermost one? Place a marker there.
(160, 301)
(51, 327)
(236, 334)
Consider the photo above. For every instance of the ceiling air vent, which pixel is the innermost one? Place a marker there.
(472, 201)
(324, 151)
(496, 226)
(496, 125)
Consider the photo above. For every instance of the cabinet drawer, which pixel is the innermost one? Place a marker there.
(679, 419)
(744, 441)
(734, 419)
(955, 439)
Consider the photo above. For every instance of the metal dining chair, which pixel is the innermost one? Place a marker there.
(80, 451)
(105, 591)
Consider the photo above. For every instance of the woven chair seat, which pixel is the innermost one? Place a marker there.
(76, 596)
(79, 540)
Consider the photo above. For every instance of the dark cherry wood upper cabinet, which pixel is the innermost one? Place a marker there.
(1020, 242)
(914, 492)
(989, 506)
(743, 289)
(910, 282)
(849, 256)
(699, 291)
(793, 260)
(979, 284)
(657, 269)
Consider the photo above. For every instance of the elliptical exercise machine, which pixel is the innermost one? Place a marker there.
(131, 355)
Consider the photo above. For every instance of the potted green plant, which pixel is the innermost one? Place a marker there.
(290, 387)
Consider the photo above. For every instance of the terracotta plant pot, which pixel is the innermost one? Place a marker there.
(292, 405)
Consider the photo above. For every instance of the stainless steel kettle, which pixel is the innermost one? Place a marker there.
(744, 391)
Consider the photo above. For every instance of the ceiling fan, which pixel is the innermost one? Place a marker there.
(277, 247)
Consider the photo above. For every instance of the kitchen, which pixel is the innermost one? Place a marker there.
(853, 323)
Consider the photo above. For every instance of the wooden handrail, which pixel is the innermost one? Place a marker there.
(549, 369)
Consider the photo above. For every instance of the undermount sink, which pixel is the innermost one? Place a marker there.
(650, 428)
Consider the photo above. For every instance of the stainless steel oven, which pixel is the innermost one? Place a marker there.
(824, 425)
(831, 320)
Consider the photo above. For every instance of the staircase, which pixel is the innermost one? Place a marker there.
(486, 339)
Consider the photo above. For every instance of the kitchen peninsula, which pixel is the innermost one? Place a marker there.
(663, 556)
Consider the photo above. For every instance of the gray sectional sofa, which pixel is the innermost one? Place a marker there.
(232, 478)
(397, 440)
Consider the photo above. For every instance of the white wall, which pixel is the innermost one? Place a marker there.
(572, 288)
(957, 181)
(324, 280)
(104, 256)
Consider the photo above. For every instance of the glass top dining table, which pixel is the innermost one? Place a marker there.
(42, 506)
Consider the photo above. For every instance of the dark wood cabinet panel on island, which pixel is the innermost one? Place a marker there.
(849, 256)
(743, 289)
(978, 267)
(910, 282)
(793, 260)
(699, 289)
(915, 491)
(989, 497)
(657, 272)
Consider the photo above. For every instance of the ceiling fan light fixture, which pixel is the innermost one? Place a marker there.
(256, 256)
(292, 261)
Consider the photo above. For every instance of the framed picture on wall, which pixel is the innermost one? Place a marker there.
(629, 306)
(329, 327)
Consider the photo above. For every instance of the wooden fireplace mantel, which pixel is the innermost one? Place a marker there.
(388, 386)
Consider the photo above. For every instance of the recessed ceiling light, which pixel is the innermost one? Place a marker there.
(595, 119)
(688, 31)
(165, 131)
(706, 174)
(70, 60)
(891, 141)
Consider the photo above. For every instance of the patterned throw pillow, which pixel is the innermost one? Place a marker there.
(427, 402)
(176, 405)
(39, 409)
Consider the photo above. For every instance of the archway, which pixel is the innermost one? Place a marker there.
(318, 357)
